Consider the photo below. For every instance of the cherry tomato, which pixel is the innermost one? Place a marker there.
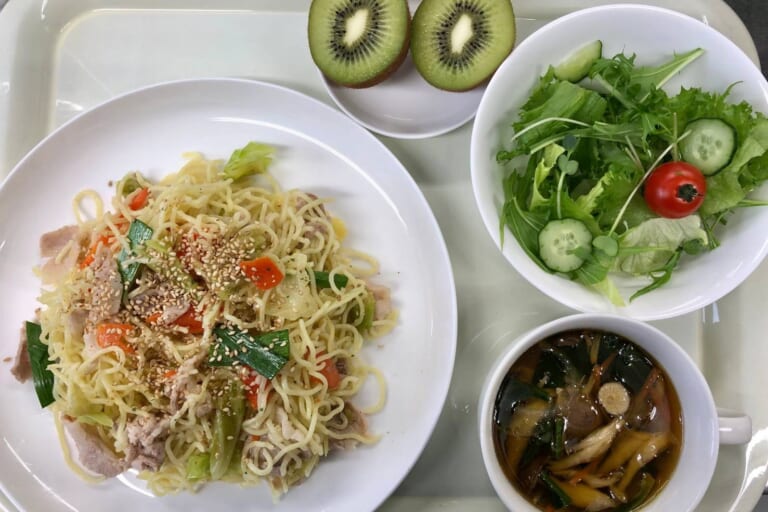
(675, 189)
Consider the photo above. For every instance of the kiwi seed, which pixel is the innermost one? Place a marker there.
(358, 43)
(458, 44)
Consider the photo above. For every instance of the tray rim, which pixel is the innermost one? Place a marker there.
(9, 31)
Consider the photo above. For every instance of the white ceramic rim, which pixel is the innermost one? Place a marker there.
(696, 465)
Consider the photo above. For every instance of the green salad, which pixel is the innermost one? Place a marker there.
(609, 173)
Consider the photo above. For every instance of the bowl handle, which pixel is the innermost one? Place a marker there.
(734, 427)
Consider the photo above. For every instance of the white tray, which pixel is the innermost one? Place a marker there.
(60, 57)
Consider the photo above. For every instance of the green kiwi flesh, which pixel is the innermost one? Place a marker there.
(358, 43)
(457, 44)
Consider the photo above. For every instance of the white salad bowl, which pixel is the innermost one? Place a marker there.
(654, 35)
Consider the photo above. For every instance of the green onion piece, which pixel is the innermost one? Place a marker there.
(254, 158)
(138, 234)
(198, 466)
(266, 353)
(558, 443)
(323, 279)
(230, 409)
(561, 499)
(39, 360)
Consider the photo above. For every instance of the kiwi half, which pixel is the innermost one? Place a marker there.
(458, 44)
(358, 43)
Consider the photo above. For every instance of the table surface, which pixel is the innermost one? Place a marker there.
(754, 13)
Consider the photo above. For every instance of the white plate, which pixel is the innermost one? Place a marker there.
(404, 105)
(631, 29)
(318, 150)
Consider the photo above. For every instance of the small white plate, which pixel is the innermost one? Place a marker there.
(404, 105)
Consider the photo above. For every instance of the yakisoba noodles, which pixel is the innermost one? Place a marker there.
(207, 328)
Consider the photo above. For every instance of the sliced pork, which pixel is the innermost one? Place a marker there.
(22, 368)
(68, 239)
(53, 242)
(350, 420)
(93, 454)
(106, 287)
(146, 442)
(383, 300)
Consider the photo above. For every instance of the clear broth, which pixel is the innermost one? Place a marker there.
(563, 365)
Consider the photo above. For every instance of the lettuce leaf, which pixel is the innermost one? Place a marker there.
(725, 189)
(649, 246)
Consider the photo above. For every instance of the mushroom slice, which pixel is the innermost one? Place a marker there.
(591, 447)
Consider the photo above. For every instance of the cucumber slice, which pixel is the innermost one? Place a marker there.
(576, 66)
(558, 242)
(709, 146)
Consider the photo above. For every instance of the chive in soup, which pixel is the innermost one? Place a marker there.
(585, 420)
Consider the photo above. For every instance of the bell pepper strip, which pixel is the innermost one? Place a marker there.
(251, 388)
(263, 272)
(323, 279)
(266, 353)
(139, 199)
(39, 360)
(191, 320)
(138, 234)
(113, 335)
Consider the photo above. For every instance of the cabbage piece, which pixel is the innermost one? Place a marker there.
(292, 298)
(648, 246)
(253, 158)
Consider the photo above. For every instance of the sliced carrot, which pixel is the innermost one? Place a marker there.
(139, 199)
(170, 374)
(154, 317)
(254, 437)
(264, 273)
(109, 335)
(330, 372)
(90, 256)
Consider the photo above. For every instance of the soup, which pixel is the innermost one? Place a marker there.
(585, 420)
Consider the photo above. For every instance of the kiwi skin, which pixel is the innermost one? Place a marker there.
(391, 69)
(483, 80)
